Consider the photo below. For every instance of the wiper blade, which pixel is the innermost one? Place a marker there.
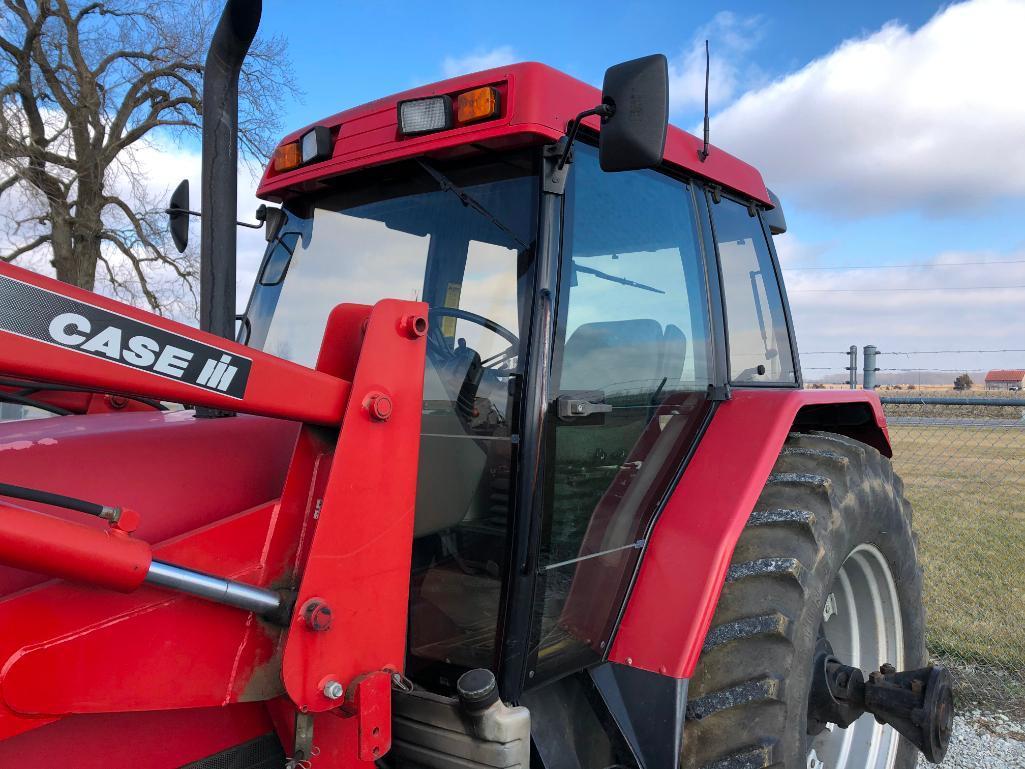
(615, 278)
(469, 201)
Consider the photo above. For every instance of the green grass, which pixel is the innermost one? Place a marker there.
(967, 488)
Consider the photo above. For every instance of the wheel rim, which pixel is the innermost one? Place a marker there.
(862, 622)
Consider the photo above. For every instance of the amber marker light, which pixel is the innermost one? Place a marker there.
(478, 104)
(287, 157)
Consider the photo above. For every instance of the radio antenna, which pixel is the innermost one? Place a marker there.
(703, 152)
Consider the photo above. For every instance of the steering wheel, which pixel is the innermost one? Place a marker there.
(480, 320)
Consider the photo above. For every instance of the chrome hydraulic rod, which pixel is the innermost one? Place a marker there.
(216, 589)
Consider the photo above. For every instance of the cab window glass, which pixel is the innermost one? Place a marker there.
(398, 232)
(632, 338)
(757, 329)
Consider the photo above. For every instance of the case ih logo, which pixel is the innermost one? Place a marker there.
(36, 313)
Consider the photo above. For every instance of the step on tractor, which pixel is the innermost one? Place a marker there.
(507, 463)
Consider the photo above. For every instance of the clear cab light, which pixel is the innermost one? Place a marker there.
(420, 116)
(316, 144)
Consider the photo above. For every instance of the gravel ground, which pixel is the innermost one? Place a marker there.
(984, 741)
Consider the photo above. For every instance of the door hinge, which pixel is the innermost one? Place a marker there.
(719, 392)
(555, 177)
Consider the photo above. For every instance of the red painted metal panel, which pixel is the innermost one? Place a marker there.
(368, 701)
(336, 734)
(276, 387)
(180, 472)
(156, 740)
(684, 566)
(81, 649)
(359, 557)
(538, 102)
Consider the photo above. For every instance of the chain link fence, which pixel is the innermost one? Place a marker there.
(963, 465)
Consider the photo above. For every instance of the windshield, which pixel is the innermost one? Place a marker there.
(460, 237)
(376, 238)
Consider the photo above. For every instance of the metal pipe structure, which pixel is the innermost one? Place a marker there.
(216, 589)
(852, 367)
(868, 381)
(907, 400)
(232, 38)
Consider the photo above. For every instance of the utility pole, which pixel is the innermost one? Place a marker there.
(869, 378)
(852, 367)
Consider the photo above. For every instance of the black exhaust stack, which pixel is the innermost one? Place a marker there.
(232, 38)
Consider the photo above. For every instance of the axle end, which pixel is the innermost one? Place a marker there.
(919, 704)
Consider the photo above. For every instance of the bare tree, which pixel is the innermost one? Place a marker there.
(84, 87)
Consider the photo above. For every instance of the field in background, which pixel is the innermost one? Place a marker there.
(952, 412)
(966, 482)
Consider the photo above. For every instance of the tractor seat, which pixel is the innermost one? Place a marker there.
(622, 356)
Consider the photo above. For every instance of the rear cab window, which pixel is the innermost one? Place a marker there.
(758, 336)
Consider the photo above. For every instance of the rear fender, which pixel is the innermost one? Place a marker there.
(684, 565)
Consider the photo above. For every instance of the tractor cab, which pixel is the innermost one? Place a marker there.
(593, 289)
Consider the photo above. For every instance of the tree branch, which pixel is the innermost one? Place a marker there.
(24, 249)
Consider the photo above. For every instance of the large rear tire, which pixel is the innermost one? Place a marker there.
(827, 551)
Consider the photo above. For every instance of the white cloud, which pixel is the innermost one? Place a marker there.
(478, 60)
(930, 119)
(829, 315)
(730, 38)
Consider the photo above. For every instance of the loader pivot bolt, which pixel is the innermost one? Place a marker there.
(378, 405)
(316, 614)
(333, 690)
(413, 326)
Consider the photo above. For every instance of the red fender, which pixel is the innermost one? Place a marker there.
(684, 566)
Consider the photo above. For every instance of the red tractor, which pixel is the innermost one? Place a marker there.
(508, 464)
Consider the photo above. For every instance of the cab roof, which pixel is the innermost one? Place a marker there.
(536, 103)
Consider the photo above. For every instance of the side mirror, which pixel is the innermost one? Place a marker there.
(634, 136)
(774, 218)
(178, 216)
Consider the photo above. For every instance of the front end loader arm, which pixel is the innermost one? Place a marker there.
(335, 548)
(55, 333)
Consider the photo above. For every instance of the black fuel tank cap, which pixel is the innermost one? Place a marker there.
(477, 689)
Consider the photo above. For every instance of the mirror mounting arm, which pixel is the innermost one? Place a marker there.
(174, 212)
(604, 111)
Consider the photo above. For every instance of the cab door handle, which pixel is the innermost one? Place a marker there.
(569, 407)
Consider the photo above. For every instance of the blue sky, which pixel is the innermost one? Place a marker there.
(349, 53)
(884, 127)
(893, 133)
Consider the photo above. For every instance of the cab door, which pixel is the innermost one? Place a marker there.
(630, 373)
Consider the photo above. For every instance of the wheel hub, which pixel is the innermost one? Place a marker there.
(917, 703)
(862, 624)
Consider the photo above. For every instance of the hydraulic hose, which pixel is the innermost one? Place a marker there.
(57, 500)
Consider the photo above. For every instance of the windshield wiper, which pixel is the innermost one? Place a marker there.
(469, 201)
(615, 278)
